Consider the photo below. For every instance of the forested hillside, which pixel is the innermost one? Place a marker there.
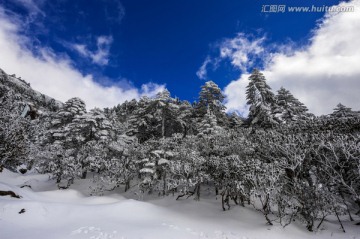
(284, 161)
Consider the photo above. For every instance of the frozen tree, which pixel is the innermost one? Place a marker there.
(15, 131)
(342, 111)
(154, 169)
(187, 168)
(287, 107)
(167, 112)
(118, 164)
(156, 118)
(260, 99)
(209, 126)
(78, 135)
(340, 163)
(185, 118)
(300, 194)
(235, 121)
(211, 98)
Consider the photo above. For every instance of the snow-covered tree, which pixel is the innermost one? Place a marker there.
(260, 99)
(341, 111)
(15, 131)
(185, 118)
(211, 98)
(81, 138)
(287, 107)
(118, 164)
(209, 126)
(188, 167)
(339, 157)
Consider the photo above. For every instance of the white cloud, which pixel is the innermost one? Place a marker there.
(322, 74)
(99, 56)
(235, 95)
(202, 72)
(241, 51)
(55, 75)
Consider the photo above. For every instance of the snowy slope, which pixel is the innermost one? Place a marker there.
(51, 213)
(26, 93)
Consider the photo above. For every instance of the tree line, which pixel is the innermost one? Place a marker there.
(285, 162)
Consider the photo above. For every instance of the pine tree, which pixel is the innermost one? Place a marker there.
(261, 100)
(341, 111)
(15, 132)
(185, 118)
(156, 118)
(211, 98)
(61, 143)
(234, 121)
(209, 125)
(287, 107)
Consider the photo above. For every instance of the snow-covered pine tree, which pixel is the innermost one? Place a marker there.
(155, 118)
(187, 167)
(235, 121)
(211, 98)
(185, 118)
(93, 133)
(341, 111)
(260, 99)
(118, 162)
(167, 110)
(287, 107)
(209, 126)
(15, 132)
(66, 134)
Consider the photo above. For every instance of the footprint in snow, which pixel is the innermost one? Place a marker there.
(170, 226)
(191, 231)
(225, 235)
(94, 233)
(174, 227)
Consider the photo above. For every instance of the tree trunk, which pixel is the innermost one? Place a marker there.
(127, 185)
(342, 227)
(266, 210)
(164, 184)
(197, 191)
(347, 208)
(163, 126)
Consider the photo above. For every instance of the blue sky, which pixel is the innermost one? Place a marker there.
(138, 47)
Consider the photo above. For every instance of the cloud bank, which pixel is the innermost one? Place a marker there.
(321, 74)
(56, 75)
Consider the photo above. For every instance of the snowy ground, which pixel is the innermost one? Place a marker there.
(52, 213)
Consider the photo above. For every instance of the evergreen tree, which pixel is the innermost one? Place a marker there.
(261, 100)
(15, 133)
(81, 139)
(211, 98)
(209, 125)
(287, 107)
(341, 111)
(185, 118)
(156, 118)
(234, 121)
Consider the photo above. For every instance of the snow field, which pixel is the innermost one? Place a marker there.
(62, 214)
